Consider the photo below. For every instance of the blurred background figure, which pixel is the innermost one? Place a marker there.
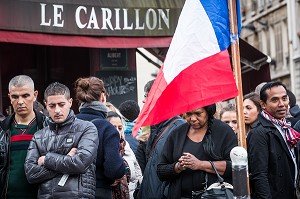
(251, 110)
(229, 116)
(294, 109)
(110, 107)
(135, 170)
(2, 117)
(120, 188)
(130, 110)
(258, 88)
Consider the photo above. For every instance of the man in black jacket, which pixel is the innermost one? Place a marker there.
(18, 130)
(271, 147)
(61, 157)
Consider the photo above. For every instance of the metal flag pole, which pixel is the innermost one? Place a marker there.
(239, 168)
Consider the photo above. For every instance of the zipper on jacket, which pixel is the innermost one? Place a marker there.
(8, 163)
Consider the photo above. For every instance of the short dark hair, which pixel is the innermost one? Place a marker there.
(268, 86)
(57, 88)
(130, 110)
(111, 114)
(148, 86)
(292, 98)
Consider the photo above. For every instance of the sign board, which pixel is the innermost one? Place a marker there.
(126, 18)
(113, 58)
(121, 85)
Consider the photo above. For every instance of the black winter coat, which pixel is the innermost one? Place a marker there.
(271, 167)
(55, 142)
(224, 140)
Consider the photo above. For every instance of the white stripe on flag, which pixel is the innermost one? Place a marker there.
(194, 40)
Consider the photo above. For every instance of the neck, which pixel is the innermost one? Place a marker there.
(197, 135)
(25, 119)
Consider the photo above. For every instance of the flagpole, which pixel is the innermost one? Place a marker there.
(238, 170)
(235, 54)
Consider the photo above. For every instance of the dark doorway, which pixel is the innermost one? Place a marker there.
(44, 64)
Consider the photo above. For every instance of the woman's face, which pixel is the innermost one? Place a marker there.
(197, 119)
(116, 122)
(229, 117)
(250, 112)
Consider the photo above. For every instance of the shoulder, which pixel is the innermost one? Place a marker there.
(83, 124)
(259, 133)
(102, 123)
(220, 126)
(104, 126)
(179, 130)
(297, 126)
(42, 133)
(5, 124)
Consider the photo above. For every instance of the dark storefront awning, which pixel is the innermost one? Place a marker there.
(83, 41)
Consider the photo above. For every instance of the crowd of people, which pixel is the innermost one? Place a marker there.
(48, 151)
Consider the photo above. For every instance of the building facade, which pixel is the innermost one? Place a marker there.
(273, 26)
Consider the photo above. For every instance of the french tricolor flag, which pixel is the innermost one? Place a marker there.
(197, 70)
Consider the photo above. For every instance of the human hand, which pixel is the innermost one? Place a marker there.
(190, 161)
(72, 152)
(41, 161)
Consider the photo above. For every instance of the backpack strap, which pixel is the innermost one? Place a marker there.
(162, 133)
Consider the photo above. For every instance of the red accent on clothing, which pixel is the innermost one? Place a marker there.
(22, 137)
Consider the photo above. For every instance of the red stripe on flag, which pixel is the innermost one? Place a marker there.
(203, 83)
(22, 137)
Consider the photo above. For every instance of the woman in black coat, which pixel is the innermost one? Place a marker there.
(184, 161)
(90, 92)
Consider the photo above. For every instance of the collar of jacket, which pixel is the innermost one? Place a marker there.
(40, 119)
(264, 122)
(92, 112)
(69, 120)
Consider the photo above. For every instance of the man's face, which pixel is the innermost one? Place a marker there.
(277, 102)
(22, 98)
(145, 97)
(58, 107)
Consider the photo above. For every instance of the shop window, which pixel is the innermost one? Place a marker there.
(253, 7)
(278, 43)
(269, 3)
(260, 5)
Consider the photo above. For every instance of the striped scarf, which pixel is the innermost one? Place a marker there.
(292, 136)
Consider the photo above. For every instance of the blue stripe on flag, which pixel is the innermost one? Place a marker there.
(217, 11)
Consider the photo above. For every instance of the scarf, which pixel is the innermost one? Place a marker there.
(95, 105)
(292, 136)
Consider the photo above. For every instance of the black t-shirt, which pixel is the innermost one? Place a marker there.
(192, 180)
